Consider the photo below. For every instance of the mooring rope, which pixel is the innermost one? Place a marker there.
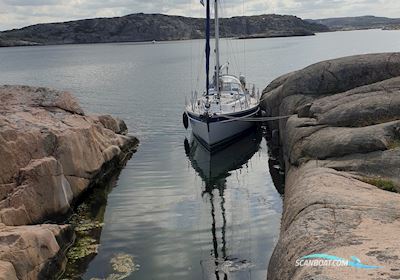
(258, 119)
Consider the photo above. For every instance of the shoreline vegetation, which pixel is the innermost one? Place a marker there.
(341, 154)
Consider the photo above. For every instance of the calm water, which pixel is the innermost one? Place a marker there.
(179, 212)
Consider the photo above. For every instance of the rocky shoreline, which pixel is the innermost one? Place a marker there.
(341, 152)
(358, 23)
(278, 34)
(51, 154)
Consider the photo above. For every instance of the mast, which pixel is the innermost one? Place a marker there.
(217, 67)
(207, 46)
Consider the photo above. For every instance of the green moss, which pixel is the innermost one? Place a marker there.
(87, 222)
(123, 265)
(383, 184)
(86, 227)
(83, 248)
(394, 144)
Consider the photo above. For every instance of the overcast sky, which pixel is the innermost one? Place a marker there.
(19, 13)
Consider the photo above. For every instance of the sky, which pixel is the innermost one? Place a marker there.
(19, 13)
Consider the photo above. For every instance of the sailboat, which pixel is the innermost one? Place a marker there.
(225, 109)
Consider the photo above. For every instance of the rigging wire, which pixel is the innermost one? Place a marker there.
(201, 65)
(231, 51)
(244, 40)
(191, 49)
(197, 51)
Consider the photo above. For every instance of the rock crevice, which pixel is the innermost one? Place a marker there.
(51, 152)
(341, 152)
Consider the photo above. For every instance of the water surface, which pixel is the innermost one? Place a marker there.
(177, 211)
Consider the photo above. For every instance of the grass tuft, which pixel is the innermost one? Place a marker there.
(394, 144)
(383, 184)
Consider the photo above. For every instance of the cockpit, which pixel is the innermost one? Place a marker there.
(230, 84)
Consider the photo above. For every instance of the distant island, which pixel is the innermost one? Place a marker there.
(148, 27)
(358, 23)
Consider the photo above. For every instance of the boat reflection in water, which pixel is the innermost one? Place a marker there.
(214, 169)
